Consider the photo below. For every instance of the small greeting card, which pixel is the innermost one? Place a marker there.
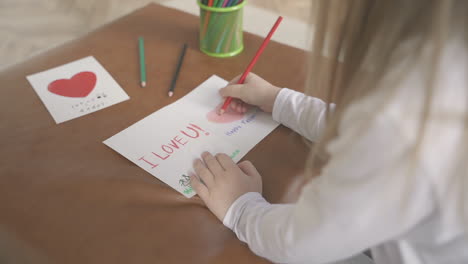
(76, 89)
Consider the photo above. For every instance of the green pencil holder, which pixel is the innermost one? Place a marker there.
(221, 30)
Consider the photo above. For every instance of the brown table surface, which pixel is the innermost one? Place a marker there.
(65, 197)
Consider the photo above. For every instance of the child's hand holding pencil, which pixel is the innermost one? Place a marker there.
(259, 52)
(254, 91)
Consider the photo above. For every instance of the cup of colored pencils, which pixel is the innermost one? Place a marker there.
(221, 28)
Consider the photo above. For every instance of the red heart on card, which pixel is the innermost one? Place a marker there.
(80, 85)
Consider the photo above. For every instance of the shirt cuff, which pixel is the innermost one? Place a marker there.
(237, 207)
(280, 101)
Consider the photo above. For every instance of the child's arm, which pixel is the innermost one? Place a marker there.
(301, 113)
(304, 114)
(367, 194)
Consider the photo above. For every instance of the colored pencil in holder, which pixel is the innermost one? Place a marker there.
(221, 28)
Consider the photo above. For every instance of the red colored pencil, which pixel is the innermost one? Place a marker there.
(207, 18)
(252, 63)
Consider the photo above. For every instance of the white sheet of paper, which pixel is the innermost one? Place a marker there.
(76, 89)
(166, 143)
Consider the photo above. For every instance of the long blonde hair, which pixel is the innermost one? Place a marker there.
(356, 42)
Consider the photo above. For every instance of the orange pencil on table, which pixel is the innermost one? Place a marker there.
(252, 63)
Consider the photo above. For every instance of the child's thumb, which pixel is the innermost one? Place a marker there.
(234, 90)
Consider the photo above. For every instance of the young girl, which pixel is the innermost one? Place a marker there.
(395, 174)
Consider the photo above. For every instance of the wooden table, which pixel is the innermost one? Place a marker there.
(67, 198)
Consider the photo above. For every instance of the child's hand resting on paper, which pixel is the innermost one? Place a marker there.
(224, 181)
(255, 91)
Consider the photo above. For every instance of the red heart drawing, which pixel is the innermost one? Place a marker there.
(228, 117)
(80, 85)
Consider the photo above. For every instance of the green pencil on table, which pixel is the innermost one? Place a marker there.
(141, 44)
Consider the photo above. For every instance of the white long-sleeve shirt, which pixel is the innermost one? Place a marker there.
(372, 193)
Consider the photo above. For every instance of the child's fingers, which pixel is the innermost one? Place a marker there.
(226, 161)
(238, 106)
(234, 90)
(244, 108)
(199, 187)
(203, 173)
(212, 164)
(248, 168)
(251, 76)
(234, 104)
(241, 107)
